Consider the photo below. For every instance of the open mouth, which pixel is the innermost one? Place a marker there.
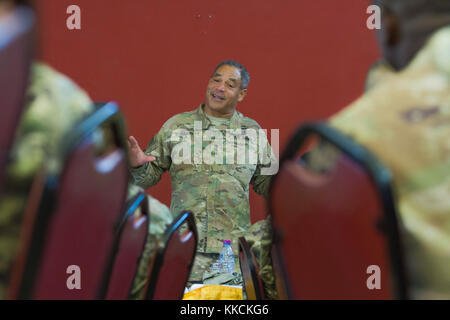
(217, 97)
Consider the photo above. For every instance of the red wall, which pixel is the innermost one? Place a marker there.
(307, 58)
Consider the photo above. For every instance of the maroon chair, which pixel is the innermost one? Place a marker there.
(130, 243)
(16, 35)
(173, 260)
(72, 218)
(278, 273)
(250, 273)
(330, 228)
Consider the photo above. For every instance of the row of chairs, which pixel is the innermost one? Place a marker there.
(77, 218)
(328, 228)
(334, 232)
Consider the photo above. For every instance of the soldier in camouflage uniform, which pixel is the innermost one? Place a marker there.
(54, 105)
(191, 146)
(405, 120)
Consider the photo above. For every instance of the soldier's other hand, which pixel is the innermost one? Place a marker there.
(137, 157)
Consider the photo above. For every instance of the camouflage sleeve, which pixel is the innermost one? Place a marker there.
(261, 183)
(149, 174)
(266, 168)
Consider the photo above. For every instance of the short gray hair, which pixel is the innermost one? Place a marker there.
(245, 76)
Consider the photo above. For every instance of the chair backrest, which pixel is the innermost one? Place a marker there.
(336, 234)
(130, 243)
(16, 35)
(279, 274)
(173, 260)
(249, 270)
(71, 221)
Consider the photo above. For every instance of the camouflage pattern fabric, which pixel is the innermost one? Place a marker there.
(259, 239)
(203, 272)
(160, 218)
(405, 121)
(217, 193)
(378, 73)
(53, 105)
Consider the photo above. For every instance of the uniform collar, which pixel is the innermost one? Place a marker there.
(235, 122)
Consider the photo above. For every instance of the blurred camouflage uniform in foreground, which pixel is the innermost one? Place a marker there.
(54, 105)
(379, 72)
(405, 121)
(214, 189)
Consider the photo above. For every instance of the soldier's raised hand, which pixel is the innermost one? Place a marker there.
(136, 156)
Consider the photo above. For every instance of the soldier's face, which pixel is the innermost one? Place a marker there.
(224, 90)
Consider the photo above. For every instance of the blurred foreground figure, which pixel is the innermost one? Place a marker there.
(404, 119)
(54, 105)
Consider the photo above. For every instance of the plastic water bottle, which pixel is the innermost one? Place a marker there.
(226, 258)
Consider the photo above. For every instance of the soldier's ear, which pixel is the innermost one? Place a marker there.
(242, 95)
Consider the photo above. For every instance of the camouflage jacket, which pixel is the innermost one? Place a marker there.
(405, 121)
(53, 105)
(215, 188)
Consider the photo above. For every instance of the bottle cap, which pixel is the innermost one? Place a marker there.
(227, 241)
